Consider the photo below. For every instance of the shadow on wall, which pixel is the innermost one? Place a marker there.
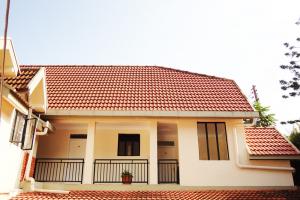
(296, 174)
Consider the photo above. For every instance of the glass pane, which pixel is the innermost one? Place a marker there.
(212, 141)
(129, 148)
(222, 141)
(29, 134)
(202, 141)
(121, 148)
(136, 149)
(18, 129)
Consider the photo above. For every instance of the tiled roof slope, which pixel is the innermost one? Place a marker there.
(160, 195)
(21, 81)
(268, 142)
(140, 88)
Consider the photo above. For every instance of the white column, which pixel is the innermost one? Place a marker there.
(89, 154)
(153, 153)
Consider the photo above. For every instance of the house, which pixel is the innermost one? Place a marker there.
(163, 125)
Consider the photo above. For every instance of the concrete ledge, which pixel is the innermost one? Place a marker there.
(155, 113)
(160, 187)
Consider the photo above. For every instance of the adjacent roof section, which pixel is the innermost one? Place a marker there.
(139, 88)
(20, 82)
(268, 142)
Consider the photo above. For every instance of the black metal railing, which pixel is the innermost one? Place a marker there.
(58, 170)
(110, 170)
(168, 171)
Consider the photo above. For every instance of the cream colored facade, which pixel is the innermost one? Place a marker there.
(10, 155)
(102, 138)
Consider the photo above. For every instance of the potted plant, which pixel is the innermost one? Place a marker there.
(126, 177)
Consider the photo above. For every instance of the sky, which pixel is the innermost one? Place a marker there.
(240, 40)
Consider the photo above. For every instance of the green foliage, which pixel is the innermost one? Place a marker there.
(295, 138)
(126, 173)
(265, 118)
(291, 86)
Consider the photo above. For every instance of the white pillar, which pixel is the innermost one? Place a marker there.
(89, 154)
(153, 153)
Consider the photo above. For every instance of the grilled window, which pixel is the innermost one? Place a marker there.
(78, 136)
(166, 143)
(212, 141)
(129, 145)
(29, 131)
(23, 131)
(18, 128)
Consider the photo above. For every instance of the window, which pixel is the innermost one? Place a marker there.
(18, 128)
(29, 130)
(129, 145)
(23, 131)
(212, 141)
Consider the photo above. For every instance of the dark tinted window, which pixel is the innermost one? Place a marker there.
(129, 145)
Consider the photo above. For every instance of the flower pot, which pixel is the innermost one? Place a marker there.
(126, 179)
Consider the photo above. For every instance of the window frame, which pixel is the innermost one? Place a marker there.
(25, 133)
(13, 125)
(217, 140)
(132, 151)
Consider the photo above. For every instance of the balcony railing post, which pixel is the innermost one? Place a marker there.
(82, 170)
(94, 171)
(147, 172)
(35, 168)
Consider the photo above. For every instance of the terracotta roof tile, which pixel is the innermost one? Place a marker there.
(268, 142)
(146, 88)
(160, 195)
(21, 81)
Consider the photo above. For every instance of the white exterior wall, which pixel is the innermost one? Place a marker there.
(11, 156)
(195, 172)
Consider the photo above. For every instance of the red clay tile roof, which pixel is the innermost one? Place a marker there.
(21, 81)
(135, 88)
(160, 195)
(268, 142)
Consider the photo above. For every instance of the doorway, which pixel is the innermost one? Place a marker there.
(167, 153)
(77, 145)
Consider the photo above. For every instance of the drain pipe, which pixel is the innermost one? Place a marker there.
(45, 130)
(244, 166)
(254, 120)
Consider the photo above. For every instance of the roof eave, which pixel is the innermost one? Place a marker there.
(221, 114)
(274, 157)
(11, 96)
